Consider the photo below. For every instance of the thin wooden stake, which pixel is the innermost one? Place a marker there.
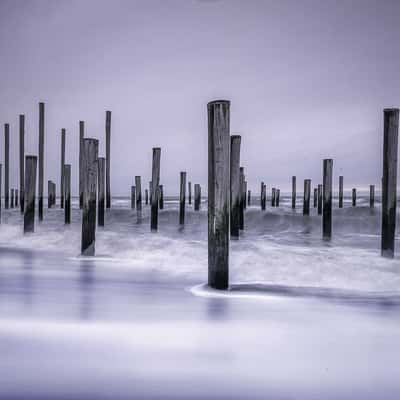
(21, 161)
(67, 193)
(101, 170)
(155, 182)
(30, 190)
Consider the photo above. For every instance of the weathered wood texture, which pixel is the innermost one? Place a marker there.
(389, 181)
(62, 168)
(1, 175)
(327, 199)
(161, 197)
(371, 196)
(67, 193)
(108, 159)
(306, 197)
(89, 164)
(30, 191)
(197, 197)
(138, 185)
(146, 196)
(273, 197)
(182, 198)
(263, 196)
(21, 161)
(249, 197)
(241, 200)
(340, 191)
(155, 182)
(81, 173)
(190, 192)
(101, 171)
(315, 197)
(12, 198)
(354, 197)
(16, 198)
(320, 199)
(41, 160)
(6, 166)
(133, 197)
(218, 193)
(278, 195)
(293, 192)
(235, 186)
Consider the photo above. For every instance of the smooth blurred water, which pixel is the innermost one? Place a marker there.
(304, 319)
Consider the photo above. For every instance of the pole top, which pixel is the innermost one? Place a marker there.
(216, 102)
(236, 137)
(394, 110)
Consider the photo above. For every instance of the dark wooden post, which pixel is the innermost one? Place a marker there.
(354, 197)
(278, 192)
(161, 199)
(138, 196)
(235, 186)
(62, 167)
(21, 160)
(101, 163)
(389, 181)
(81, 172)
(30, 190)
(340, 191)
(315, 197)
(41, 159)
(89, 165)
(150, 191)
(155, 182)
(67, 193)
(16, 198)
(49, 194)
(133, 199)
(182, 199)
(249, 197)
(273, 197)
(6, 166)
(306, 198)
(371, 196)
(1, 174)
(190, 192)
(263, 196)
(218, 193)
(12, 198)
(197, 197)
(319, 199)
(146, 196)
(108, 159)
(245, 194)
(327, 199)
(241, 200)
(293, 192)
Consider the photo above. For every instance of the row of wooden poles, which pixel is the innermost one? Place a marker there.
(227, 187)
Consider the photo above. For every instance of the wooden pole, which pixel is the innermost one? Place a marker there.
(16, 198)
(235, 186)
(101, 163)
(341, 191)
(218, 193)
(315, 197)
(150, 191)
(293, 192)
(81, 172)
(146, 196)
(319, 199)
(306, 198)
(133, 200)
(89, 165)
(190, 192)
(41, 159)
(12, 198)
(1, 174)
(273, 197)
(354, 197)
(389, 181)
(327, 199)
(67, 193)
(138, 196)
(371, 196)
(161, 199)
(108, 159)
(278, 193)
(197, 197)
(241, 200)
(182, 199)
(155, 182)
(6, 166)
(21, 161)
(62, 168)
(30, 190)
(263, 196)
(249, 197)
(49, 194)
(245, 194)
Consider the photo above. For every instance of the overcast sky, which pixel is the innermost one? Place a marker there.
(307, 80)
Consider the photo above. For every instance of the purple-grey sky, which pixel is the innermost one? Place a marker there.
(307, 80)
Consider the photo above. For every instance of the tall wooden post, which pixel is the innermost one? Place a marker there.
(371, 196)
(278, 193)
(218, 193)
(327, 199)
(241, 200)
(306, 198)
(273, 197)
(81, 172)
(155, 182)
(315, 197)
(389, 180)
(62, 167)
(182, 199)
(341, 191)
(235, 186)
(1, 174)
(319, 199)
(41, 159)
(197, 197)
(133, 199)
(146, 196)
(16, 198)
(30, 190)
(101, 163)
(21, 161)
(263, 196)
(67, 193)
(293, 192)
(190, 192)
(6, 166)
(108, 159)
(49, 194)
(138, 196)
(89, 165)
(249, 197)
(161, 199)
(245, 194)
(12, 198)
(354, 197)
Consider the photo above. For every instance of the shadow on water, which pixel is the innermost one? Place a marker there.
(86, 284)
